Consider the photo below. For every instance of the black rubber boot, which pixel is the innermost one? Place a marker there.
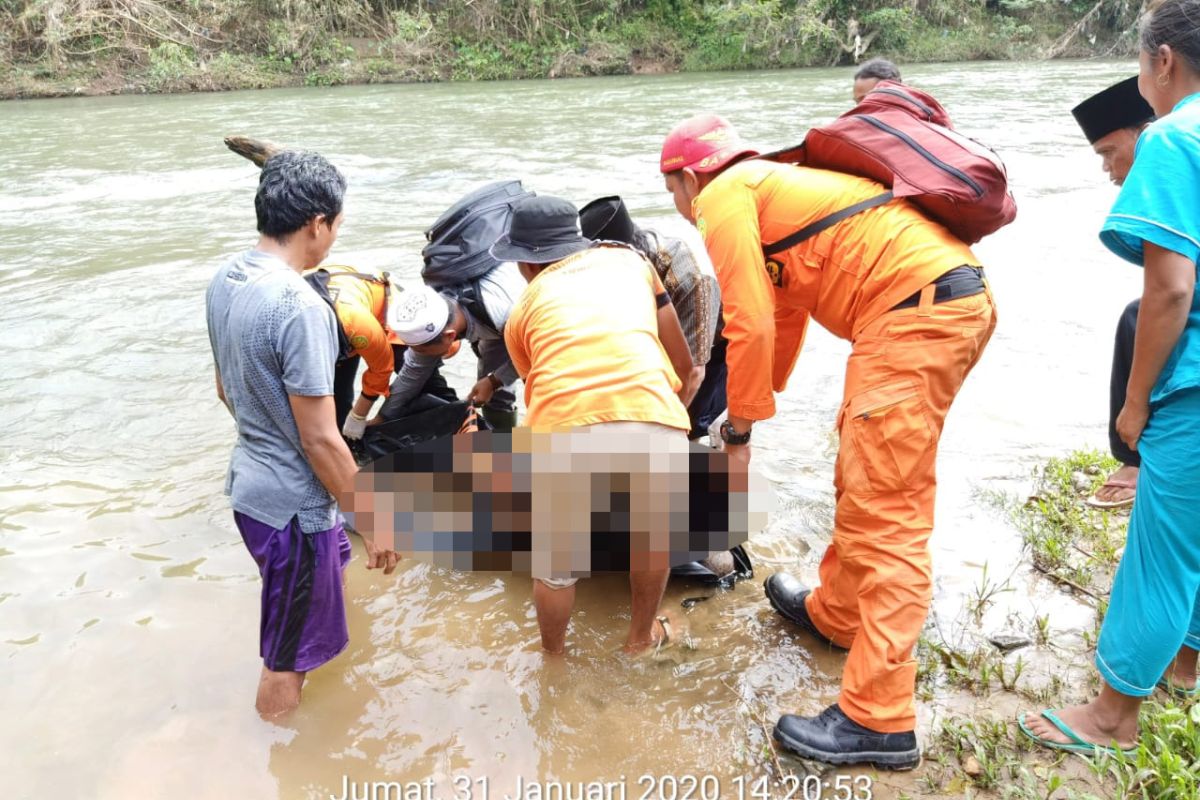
(787, 596)
(834, 738)
(500, 420)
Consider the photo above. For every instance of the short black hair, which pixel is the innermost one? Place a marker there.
(879, 68)
(294, 187)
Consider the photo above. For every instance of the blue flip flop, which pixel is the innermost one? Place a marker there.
(1077, 744)
(1178, 692)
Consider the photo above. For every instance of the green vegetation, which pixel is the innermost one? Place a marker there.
(981, 754)
(1071, 543)
(98, 46)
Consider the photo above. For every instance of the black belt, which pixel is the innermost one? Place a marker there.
(959, 282)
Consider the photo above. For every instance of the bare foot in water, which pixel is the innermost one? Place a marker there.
(1114, 491)
(661, 634)
(1097, 722)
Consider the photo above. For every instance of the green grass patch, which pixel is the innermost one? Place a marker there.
(1167, 764)
(983, 755)
(1070, 542)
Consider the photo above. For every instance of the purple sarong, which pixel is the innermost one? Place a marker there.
(303, 622)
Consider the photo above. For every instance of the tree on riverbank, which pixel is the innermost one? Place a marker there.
(96, 46)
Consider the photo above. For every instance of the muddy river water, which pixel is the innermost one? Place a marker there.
(128, 605)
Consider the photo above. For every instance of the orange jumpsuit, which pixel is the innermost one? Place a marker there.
(362, 311)
(904, 370)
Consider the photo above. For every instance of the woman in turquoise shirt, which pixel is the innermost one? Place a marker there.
(1151, 633)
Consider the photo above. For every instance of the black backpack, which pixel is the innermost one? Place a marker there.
(460, 238)
(457, 254)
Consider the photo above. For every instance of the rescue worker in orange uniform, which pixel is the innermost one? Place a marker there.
(912, 300)
(360, 300)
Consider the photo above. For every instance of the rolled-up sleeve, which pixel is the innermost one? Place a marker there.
(727, 216)
(493, 358)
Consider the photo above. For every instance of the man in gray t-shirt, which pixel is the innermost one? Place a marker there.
(272, 337)
(274, 341)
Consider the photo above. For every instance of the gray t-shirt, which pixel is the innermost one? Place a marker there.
(271, 337)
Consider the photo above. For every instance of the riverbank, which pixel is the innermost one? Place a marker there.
(120, 562)
(111, 47)
(978, 683)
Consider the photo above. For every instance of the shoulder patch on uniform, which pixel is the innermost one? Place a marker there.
(358, 341)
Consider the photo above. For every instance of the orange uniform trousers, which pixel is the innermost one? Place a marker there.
(876, 576)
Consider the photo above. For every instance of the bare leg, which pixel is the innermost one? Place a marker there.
(1182, 672)
(646, 593)
(553, 608)
(1111, 717)
(278, 692)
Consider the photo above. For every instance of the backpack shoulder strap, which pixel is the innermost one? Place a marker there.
(811, 230)
(319, 281)
(350, 273)
(470, 297)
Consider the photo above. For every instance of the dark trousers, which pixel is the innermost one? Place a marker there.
(710, 398)
(435, 392)
(345, 392)
(1121, 364)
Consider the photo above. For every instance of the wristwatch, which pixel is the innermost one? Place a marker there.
(495, 380)
(730, 436)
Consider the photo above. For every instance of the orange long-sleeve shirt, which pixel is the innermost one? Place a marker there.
(844, 277)
(361, 307)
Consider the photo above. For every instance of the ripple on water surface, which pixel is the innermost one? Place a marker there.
(129, 606)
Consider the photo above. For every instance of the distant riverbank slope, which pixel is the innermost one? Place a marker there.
(66, 47)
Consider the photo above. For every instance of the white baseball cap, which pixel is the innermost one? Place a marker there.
(418, 316)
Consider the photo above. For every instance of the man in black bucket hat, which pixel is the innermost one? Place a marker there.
(598, 345)
(543, 230)
(1112, 120)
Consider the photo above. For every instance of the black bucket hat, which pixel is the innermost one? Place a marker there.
(1118, 106)
(607, 219)
(542, 230)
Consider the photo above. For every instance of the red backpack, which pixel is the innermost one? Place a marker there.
(903, 138)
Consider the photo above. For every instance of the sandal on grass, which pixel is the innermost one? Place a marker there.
(1077, 744)
(1178, 692)
(1113, 483)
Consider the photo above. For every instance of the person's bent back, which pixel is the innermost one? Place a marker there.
(599, 347)
(585, 335)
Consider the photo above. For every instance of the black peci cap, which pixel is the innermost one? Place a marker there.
(607, 219)
(1118, 106)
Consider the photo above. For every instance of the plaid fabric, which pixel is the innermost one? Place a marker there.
(695, 295)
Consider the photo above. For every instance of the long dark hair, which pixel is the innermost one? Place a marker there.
(1175, 23)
